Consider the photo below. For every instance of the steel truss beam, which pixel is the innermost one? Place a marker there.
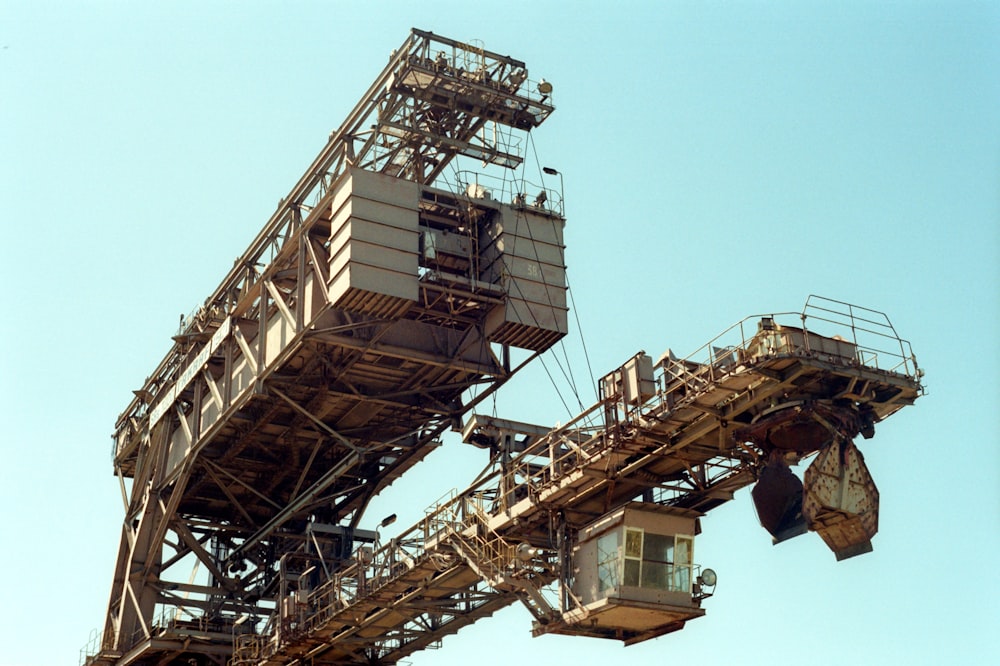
(418, 588)
(232, 455)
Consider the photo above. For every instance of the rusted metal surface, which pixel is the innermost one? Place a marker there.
(777, 496)
(840, 500)
(334, 354)
(685, 444)
(669, 441)
(349, 337)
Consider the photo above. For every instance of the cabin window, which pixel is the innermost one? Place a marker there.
(656, 561)
(608, 556)
(683, 561)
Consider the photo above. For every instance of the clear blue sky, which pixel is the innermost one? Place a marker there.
(720, 160)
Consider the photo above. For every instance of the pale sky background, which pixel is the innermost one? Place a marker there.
(720, 160)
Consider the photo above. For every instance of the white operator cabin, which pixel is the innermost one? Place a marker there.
(635, 574)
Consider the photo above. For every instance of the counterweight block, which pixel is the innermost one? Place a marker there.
(840, 500)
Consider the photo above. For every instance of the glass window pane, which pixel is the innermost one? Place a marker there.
(631, 572)
(684, 548)
(655, 575)
(607, 547)
(607, 576)
(657, 547)
(607, 561)
(633, 543)
(682, 578)
(683, 556)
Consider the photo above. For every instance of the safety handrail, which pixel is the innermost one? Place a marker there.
(463, 519)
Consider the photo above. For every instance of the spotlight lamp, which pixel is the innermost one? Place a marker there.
(708, 578)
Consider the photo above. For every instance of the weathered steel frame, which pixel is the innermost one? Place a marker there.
(683, 442)
(269, 282)
(582, 469)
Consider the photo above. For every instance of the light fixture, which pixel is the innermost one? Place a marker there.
(388, 520)
(708, 578)
(550, 171)
(544, 87)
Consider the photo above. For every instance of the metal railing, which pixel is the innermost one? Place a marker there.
(878, 344)
(93, 646)
(453, 531)
(502, 80)
(836, 332)
(869, 340)
(456, 528)
(519, 193)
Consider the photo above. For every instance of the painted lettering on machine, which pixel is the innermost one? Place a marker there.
(189, 372)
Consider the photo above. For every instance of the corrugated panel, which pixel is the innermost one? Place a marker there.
(374, 245)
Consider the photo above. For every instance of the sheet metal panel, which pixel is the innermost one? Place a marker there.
(374, 244)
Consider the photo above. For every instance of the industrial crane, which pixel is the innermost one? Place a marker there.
(390, 294)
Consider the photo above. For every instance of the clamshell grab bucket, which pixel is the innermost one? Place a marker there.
(777, 497)
(840, 500)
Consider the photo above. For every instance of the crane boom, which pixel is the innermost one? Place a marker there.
(339, 346)
(387, 296)
(670, 440)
